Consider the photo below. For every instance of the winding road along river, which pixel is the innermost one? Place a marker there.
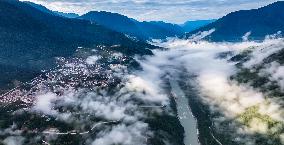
(186, 118)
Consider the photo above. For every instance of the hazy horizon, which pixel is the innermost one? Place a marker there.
(156, 10)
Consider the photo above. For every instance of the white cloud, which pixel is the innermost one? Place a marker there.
(275, 72)
(246, 36)
(44, 103)
(262, 51)
(227, 97)
(120, 106)
(200, 35)
(221, 94)
(92, 59)
(14, 140)
(148, 86)
(12, 130)
(122, 134)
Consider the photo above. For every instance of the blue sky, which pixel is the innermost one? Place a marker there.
(175, 11)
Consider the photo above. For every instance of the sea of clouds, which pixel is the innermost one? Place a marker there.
(144, 88)
(117, 115)
(222, 94)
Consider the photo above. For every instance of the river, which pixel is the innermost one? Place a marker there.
(185, 116)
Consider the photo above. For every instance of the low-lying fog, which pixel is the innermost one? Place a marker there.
(200, 58)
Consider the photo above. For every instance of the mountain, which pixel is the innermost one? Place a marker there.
(256, 22)
(114, 21)
(67, 15)
(39, 7)
(30, 39)
(193, 25)
(142, 30)
(168, 29)
(44, 9)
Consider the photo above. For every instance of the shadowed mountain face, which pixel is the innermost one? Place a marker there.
(259, 22)
(114, 21)
(30, 39)
(141, 30)
(160, 29)
(193, 25)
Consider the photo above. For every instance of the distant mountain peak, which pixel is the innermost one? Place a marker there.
(259, 22)
(46, 10)
(142, 30)
(196, 24)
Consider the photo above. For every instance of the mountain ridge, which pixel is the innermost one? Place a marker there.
(143, 30)
(258, 23)
(46, 10)
(31, 39)
(189, 26)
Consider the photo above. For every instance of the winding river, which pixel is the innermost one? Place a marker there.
(185, 116)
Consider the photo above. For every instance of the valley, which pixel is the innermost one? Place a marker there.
(103, 78)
